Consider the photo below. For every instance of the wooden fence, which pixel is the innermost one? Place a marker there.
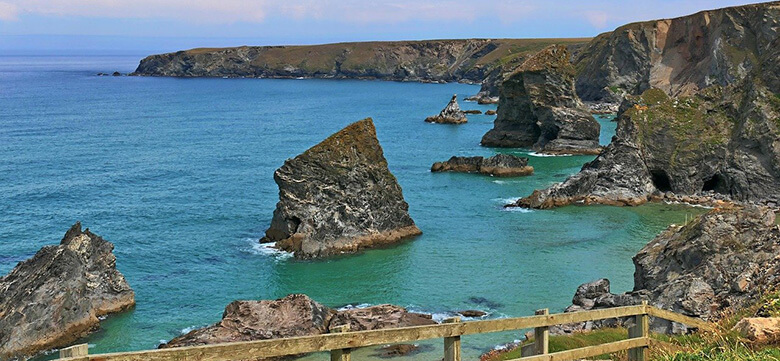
(340, 341)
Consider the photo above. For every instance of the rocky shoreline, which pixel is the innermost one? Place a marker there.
(451, 114)
(500, 165)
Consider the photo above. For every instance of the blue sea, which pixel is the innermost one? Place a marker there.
(177, 173)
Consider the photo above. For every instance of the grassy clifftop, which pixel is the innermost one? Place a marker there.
(427, 60)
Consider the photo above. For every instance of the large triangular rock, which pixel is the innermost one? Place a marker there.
(539, 109)
(339, 197)
(58, 295)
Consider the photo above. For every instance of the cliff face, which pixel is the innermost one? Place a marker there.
(538, 108)
(683, 55)
(431, 60)
(721, 142)
(56, 297)
(339, 197)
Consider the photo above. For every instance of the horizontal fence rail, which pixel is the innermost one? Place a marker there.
(340, 342)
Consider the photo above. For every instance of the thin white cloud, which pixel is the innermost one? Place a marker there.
(597, 18)
(8, 12)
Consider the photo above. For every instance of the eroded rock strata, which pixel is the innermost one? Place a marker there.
(718, 263)
(294, 315)
(720, 143)
(451, 114)
(339, 197)
(58, 295)
(500, 165)
(683, 55)
(539, 109)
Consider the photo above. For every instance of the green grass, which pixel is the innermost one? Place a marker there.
(577, 340)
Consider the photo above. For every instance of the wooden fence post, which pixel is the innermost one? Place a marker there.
(344, 354)
(542, 335)
(641, 328)
(75, 351)
(452, 344)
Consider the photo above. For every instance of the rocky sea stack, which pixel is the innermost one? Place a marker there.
(58, 295)
(724, 141)
(451, 114)
(500, 165)
(291, 316)
(718, 263)
(339, 197)
(539, 109)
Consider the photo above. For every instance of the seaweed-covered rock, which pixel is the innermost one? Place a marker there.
(539, 109)
(379, 317)
(500, 165)
(58, 295)
(451, 114)
(339, 197)
(723, 141)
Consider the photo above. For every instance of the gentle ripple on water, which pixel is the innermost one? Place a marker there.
(178, 174)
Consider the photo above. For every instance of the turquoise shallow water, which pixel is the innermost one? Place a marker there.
(177, 173)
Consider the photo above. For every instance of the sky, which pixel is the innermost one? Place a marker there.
(170, 25)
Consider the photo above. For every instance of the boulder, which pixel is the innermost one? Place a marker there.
(490, 112)
(500, 165)
(472, 313)
(339, 197)
(59, 295)
(721, 143)
(451, 114)
(475, 111)
(379, 317)
(539, 109)
(715, 265)
(759, 329)
(116, 73)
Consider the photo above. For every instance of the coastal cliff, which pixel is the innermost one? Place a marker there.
(722, 142)
(683, 55)
(58, 295)
(339, 197)
(539, 109)
(468, 60)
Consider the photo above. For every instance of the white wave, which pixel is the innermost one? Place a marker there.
(541, 155)
(517, 209)
(692, 205)
(267, 249)
(506, 200)
(499, 181)
(187, 330)
(353, 307)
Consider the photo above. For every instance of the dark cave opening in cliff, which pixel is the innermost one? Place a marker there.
(716, 183)
(661, 180)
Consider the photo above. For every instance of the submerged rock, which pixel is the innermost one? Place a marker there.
(490, 112)
(291, 316)
(539, 109)
(339, 197)
(472, 313)
(475, 111)
(401, 350)
(500, 165)
(722, 141)
(718, 263)
(451, 114)
(58, 295)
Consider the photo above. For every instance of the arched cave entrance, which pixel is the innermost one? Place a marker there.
(661, 180)
(716, 183)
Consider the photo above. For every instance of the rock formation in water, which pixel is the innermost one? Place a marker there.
(468, 60)
(58, 295)
(683, 55)
(500, 165)
(539, 109)
(291, 316)
(723, 141)
(718, 263)
(339, 197)
(451, 114)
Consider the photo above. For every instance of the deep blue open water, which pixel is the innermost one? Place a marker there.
(177, 173)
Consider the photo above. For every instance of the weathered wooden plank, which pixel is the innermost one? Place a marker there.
(75, 351)
(344, 354)
(542, 336)
(590, 351)
(640, 329)
(327, 342)
(676, 317)
(452, 344)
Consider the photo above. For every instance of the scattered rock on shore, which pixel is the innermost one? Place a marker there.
(472, 313)
(58, 295)
(339, 197)
(451, 114)
(291, 316)
(500, 165)
(539, 109)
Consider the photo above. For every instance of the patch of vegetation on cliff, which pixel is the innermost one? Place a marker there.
(568, 342)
